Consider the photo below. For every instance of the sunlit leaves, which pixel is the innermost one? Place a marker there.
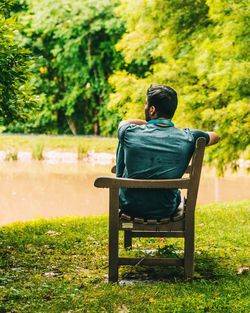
(16, 98)
(201, 48)
(75, 42)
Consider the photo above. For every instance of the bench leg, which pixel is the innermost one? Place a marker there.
(113, 271)
(113, 257)
(113, 235)
(189, 257)
(127, 239)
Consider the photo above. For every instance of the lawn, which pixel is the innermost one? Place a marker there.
(60, 265)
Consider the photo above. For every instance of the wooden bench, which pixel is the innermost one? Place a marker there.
(180, 225)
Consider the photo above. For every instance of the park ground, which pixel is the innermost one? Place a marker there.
(60, 265)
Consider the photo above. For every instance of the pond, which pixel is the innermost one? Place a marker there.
(36, 189)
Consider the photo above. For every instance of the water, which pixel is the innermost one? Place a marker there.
(37, 189)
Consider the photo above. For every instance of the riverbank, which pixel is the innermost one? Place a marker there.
(59, 142)
(60, 265)
(64, 148)
(55, 157)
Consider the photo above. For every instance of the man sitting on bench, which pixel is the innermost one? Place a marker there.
(155, 149)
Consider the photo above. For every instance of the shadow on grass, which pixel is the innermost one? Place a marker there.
(208, 266)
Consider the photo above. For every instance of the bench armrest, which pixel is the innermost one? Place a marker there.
(115, 182)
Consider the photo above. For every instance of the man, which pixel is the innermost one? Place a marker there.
(155, 149)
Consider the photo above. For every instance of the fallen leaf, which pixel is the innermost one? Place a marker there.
(242, 270)
(122, 309)
(197, 275)
(49, 274)
(53, 233)
(200, 225)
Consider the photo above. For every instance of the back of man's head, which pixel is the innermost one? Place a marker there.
(164, 99)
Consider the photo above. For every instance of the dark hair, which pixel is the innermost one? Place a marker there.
(164, 99)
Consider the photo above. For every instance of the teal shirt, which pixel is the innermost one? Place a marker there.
(153, 152)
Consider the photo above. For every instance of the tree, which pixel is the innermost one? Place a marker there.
(74, 44)
(16, 99)
(201, 49)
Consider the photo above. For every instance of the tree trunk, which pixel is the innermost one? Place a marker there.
(72, 125)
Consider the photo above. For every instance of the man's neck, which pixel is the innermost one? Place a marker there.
(161, 118)
(161, 122)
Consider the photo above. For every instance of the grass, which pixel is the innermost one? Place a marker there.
(60, 265)
(37, 151)
(11, 155)
(82, 150)
(62, 143)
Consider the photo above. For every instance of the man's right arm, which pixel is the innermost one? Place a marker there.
(211, 137)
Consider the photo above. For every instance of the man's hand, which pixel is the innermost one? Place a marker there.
(135, 121)
(213, 138)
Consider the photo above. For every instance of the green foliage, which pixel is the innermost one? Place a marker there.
(201, 48)
(60, 265)
(74, 44)
(16, 99)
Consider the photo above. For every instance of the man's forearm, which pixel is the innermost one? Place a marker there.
(213, 138)
(132, 121)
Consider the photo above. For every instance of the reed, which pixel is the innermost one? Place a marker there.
(11, 155)
(37, 151)
(82, 150)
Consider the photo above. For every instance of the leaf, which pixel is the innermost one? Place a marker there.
(122, 309)
(49, 274)
(53, 233)
(242, 270)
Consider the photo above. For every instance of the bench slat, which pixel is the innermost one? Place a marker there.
(114, 182)
(150, 261)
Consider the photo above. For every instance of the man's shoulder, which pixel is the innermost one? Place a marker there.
(131, 128)
(196, 133)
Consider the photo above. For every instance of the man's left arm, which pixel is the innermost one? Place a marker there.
(120, 150)
(132, 121)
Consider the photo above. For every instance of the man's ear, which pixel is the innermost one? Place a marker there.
(152, 110)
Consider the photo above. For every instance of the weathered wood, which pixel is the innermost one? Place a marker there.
(127, 239)
(151, 221)
(192, 192)
(151, 261)
(164, 220)
(113, 234)
(158, 234)
(171, 226)
(138, 220)
(188, 169)
(117, 182)
(125, 217)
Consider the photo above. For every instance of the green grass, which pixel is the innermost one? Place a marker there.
(63, 143)
(60, 265)
(37, 151)
(11, 154)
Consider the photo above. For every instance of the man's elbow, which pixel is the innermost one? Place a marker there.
(213, 138)
(122, 123)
